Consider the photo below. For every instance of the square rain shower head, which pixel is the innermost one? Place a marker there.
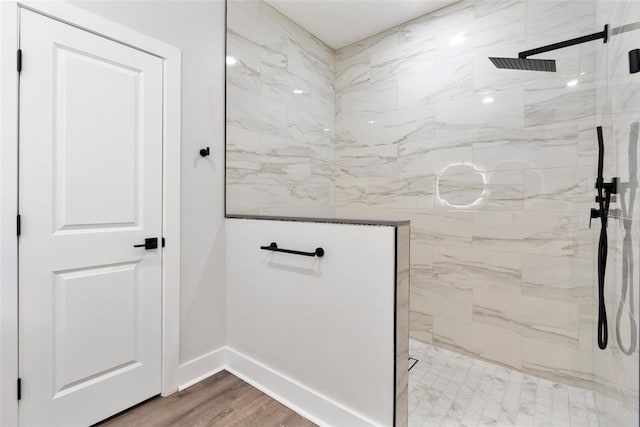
(525, 64)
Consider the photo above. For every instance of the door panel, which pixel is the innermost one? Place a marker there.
(89, 341)
(97, 184)
(90, 189)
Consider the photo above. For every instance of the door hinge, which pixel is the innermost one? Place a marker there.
(19, 225)
(19, 388)
(19, 58)
(163, 242)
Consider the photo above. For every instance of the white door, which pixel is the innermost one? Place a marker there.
(90, 189)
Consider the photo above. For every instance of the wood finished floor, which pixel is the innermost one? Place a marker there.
(220, 400)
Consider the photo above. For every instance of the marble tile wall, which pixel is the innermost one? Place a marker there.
(495, 170)
(280, 115)
(616, 373)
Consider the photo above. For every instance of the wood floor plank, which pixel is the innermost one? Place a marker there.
(220, 400)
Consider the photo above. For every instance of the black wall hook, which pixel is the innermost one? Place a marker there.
(204, 152)
(634, 61)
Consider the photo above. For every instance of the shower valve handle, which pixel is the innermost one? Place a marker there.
(595, 213)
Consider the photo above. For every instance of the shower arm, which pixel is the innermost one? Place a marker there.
(604, 34)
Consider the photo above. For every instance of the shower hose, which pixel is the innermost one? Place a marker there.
(603, 333)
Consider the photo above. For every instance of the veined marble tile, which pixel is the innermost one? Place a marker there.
(352, 74)
(587, 143)
(479, 340)
(368, 161)
(547, 20)
(252, 34)
(536, 318)
(500, 25)
(243, 149)
(409, 193)
(310, 191)
(282, 155)
(407, 57)
(279, 85)
(432, 155)
(253, 112)
(248, 190)
(491, 7)
(367, 212)
(351, 192)
(558, 190)
(307, 66)
(459, 15)
(446, 81)
(567, 279)
(245, 73)
(504, 190)
(274, 55)
(323, 108)
(323, 160)
(378, 42)
(533, 233)
(481, 35)
(308, 129)
(557, 362)
(296, 211)
(373, 98)
(250, 6)
(403, 126)
(469, 268)
(440, 300)
(525, 154)
(438, 227)
(319, 50)
(354, 130)
(282, 25)
(551, 134)
(546, 105)
(421, 325)
(506, 110)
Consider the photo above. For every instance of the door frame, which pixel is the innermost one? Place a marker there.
(171, 159)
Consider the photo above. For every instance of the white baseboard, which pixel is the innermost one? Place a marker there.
(202, 367)
(297, 397)
(306, 402)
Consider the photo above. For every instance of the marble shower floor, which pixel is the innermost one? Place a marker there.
(451, 389)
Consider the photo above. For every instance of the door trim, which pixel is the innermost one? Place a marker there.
(171, 159)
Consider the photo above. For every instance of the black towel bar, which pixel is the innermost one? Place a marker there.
(319, 252)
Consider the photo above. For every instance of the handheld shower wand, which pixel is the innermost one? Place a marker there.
(605, 190)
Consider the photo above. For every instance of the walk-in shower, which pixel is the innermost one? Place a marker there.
(494, 169)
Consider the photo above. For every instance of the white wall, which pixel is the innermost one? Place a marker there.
(198, 29)
(324, 323)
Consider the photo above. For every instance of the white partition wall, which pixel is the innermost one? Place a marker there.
(319, 333)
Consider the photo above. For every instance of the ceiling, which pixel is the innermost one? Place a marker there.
(339, 23)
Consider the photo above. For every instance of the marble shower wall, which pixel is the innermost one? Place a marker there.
(280, 115)
(495, 170)
(618, 111)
